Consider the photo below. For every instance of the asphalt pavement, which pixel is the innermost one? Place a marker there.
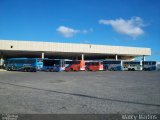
(80, 92)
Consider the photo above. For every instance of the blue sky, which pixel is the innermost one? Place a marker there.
(111, 22)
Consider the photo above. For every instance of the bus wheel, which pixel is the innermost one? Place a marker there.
(25, 70)
(28, 69)
(87, 69)
(105, 69)
(71, 69)
(129, 69)
(32, 70)
(8, 69)
(51, 70)
(133, 69)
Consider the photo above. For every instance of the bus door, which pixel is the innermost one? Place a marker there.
(39, 64)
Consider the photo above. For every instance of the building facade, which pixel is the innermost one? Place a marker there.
(17, 48)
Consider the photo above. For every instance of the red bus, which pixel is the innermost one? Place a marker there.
(94, 66)
(76, 65)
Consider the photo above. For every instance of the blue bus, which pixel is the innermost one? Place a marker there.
(53, 65)
(149, 65)
(23, 64)
(112, 65)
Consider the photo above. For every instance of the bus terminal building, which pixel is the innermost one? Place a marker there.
(55, 50)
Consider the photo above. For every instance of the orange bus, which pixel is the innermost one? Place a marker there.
(94, 66)
(75, 65)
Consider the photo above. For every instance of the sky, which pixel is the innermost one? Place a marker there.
(134, 23)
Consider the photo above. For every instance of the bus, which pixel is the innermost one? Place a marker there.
(132, 65)
(53, 65)
(93, 66)
(75, 65)
(112, 65)
(158, 66)
(23, 64)
(149, 65)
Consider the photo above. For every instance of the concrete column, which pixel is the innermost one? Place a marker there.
(116, 57)
(1, 62)
(82, 57)
(143, 59)
(42, 55)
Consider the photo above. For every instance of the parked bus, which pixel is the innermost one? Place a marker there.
(149, 65)
(132, 65)
(53, 65)
(158, 66)
(75, 65)
(94, 66)
(23, 64)
(112, 65)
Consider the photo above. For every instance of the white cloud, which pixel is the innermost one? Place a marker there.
(70, 32)
(66, 31)
(87, 31)
(131, 27)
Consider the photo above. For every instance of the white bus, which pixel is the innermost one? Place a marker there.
(132, 65)
(149, 65)
(158, 66)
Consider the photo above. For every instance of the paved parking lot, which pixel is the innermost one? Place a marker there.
(80, 92)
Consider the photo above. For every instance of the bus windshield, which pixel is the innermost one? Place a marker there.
(111, 62)
(51, 62)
